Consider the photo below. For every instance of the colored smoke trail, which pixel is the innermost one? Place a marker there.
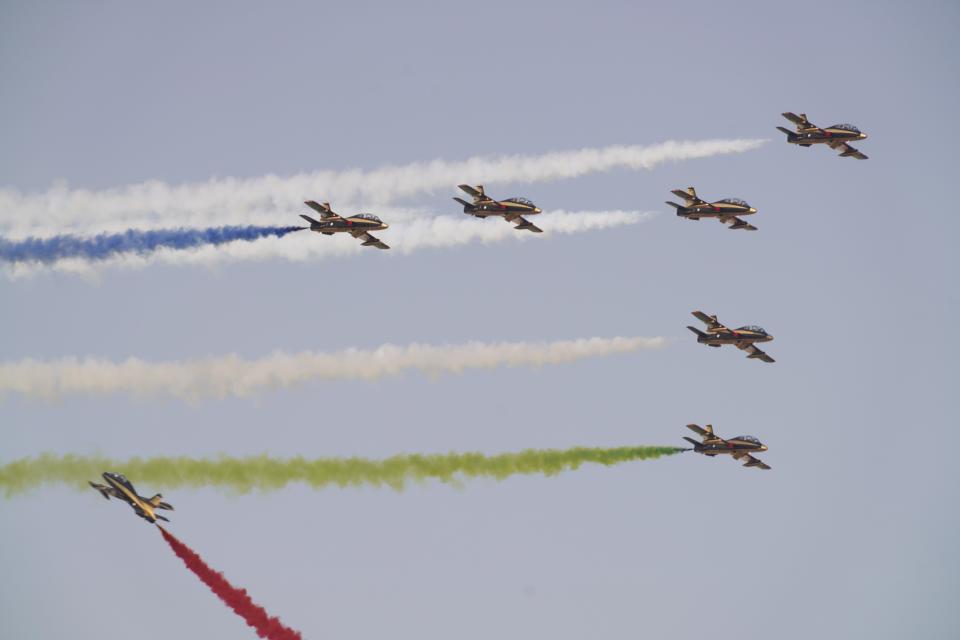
(237, 599)
(410, 231)
(108, 245)
(241, 475)
(259, 200)
(231, 375)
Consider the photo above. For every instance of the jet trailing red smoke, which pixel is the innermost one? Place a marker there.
(237, 599)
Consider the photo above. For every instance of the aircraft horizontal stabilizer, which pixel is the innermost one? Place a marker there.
(676, 206)
(310, 220)
(696, 445)
(700, 334)
(104, 491)
(790, 134)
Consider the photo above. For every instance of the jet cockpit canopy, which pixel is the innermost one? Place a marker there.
(845, 127)
(520, 201)
(748, 439)
(368, 216)
(753, 327)
(736, 201)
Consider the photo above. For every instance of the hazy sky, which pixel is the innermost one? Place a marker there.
(854, 270)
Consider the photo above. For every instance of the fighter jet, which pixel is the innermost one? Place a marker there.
(122, 489)
(358, 225)
(835, 136)
(725, 210)
(511, 209)
(739, 447)
(743, 338)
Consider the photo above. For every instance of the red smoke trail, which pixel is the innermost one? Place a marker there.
(237, 599)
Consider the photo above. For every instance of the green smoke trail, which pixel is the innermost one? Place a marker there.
(242, 475)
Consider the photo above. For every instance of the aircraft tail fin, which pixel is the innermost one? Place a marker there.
(466, 205)
(700, 334)
(161, 518)
(157, 501)
(790, 134)
(676, 206)
(696, 445)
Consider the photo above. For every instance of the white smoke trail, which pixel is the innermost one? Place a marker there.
(219, 377)
(261, 200)
(409, 232)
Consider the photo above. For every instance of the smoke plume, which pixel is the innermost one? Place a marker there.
(231, 375)
(237, 599)
(409, 232)
(107, 245)
(260, 200)
(241, 475)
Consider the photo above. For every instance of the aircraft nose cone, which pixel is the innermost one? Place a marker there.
(863, 136)
(763, 447)
(752, 210)
(536, 210)
(386, 226)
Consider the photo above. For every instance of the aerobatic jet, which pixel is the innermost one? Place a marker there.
(835, 136)
(743, 338)
(511, 209)
(739, 447)
(359, 225)
(122, 489)
(725, 210)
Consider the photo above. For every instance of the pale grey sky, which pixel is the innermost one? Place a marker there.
(853, 270)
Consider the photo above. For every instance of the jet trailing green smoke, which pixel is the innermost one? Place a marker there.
(242, 475)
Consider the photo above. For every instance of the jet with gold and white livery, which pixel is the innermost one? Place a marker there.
(122, 489)
(725, 210)
(358, 225)
(511, 209)
(835, 136)
(738, 448)
(743, 338)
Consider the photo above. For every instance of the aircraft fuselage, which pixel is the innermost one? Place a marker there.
(739, 336)
(347, 225)
(715, 210)
(806, 137)
(129, 495)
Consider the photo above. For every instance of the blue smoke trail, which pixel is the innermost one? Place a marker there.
(105, 245)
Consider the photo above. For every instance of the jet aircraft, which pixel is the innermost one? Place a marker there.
(836, 136)
(511, 209)
(122, 489)
(359, 225)
(739, 447)
(725, 210)
(743, 338)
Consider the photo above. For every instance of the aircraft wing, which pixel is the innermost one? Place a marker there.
(846, 150)
(713, 326)
(753, 462)
(800, 121)
(700, 430)
(754, 352)
(739, 224)
(693, 200)
(323, 209)
(523, 223)
(473, 192)
(369, 240)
